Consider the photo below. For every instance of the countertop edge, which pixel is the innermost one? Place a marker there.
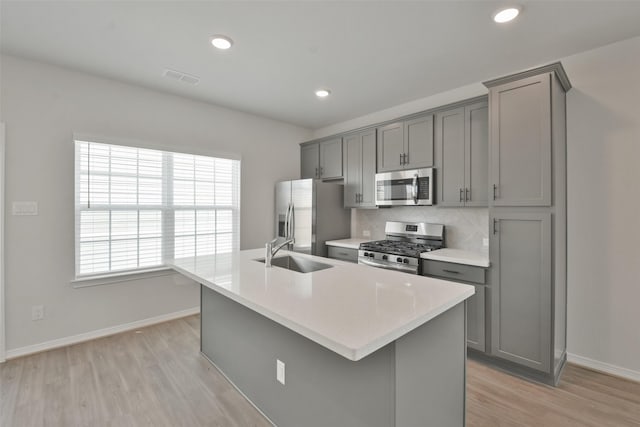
(353, 354)
(342, 350)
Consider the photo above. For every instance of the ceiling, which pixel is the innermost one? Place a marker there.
(372, 55)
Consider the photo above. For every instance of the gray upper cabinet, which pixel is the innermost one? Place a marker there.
(321, 160)
(450, 154)
(462, 160)
(406, 145)
(521, 320)
(520, 146)
(476, 117)
(418, 142)
(390, 147)
(331, 159)
(309, 161)
(359, 169)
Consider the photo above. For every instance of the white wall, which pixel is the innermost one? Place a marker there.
(603, 130)
(42, 106)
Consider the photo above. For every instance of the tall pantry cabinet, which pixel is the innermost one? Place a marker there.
(528, 220)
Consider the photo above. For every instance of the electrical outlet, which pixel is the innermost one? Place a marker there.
(280, 371)
(37, 312)
(485, 242)
(366, 233)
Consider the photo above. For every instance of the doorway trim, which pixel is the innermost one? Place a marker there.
(2, 298)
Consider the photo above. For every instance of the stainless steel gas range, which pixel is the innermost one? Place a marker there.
(402, 248)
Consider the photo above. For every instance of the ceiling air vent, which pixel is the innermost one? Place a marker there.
(181, 77)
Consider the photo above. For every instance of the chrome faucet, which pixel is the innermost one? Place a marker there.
(271, 251)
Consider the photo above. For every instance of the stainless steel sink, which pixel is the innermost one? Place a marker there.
(301, 265)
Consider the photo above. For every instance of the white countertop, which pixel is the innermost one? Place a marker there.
(350, 309)
(458, 256)
(347, 243)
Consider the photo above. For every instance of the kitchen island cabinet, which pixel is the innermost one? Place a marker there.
(361, 346)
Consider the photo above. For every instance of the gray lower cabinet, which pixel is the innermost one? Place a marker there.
(360, 169)
(521, 142)
(344, 254)
(321, 159)
(471, 275)
(406, 145)
(462, 159)
(476, 337)
(521, 306)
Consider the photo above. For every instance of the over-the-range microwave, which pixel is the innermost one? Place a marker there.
(405, 188)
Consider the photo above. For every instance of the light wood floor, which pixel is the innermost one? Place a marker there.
(157, 378)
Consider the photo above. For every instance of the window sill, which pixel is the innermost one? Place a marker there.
(108, 279)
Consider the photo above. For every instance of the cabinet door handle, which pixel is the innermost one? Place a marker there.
(495, 189)
(466, 195)
(461, 195)
(321, 170)
(495, 226)
(406, 158)
(450, 271)
(401, 158)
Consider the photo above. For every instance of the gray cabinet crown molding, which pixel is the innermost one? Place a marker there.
(407, 117)
(555, 67)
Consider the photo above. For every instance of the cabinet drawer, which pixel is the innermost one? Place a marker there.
(457, 272)
(343, 254)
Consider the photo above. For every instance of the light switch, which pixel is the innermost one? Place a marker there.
(25, 208)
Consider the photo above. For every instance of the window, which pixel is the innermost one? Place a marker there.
(136, 208)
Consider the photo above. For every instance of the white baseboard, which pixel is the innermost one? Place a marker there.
(607, 368)
(100, 333)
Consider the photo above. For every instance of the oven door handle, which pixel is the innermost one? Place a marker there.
(414, 187)
(391, 266)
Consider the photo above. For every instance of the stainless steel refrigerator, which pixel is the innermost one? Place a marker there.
(312, 212)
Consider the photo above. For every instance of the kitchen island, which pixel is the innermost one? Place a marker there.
(362, 347)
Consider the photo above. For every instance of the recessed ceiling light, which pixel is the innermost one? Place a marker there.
(221, 42)
(506, 14)
(323, 93)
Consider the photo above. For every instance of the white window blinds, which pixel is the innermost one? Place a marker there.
(136, 208)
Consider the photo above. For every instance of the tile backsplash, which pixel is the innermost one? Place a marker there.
(465, 228)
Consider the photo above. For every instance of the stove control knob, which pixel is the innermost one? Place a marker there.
(371, 255)
(399, 259)
(406, 261)
(366, 254)
(384, 257)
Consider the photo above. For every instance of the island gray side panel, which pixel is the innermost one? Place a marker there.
(322, 388)
(430, 373)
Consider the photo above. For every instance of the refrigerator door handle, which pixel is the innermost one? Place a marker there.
(292, 223)
(287, 223)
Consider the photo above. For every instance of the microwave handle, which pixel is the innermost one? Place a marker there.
(415, 189)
